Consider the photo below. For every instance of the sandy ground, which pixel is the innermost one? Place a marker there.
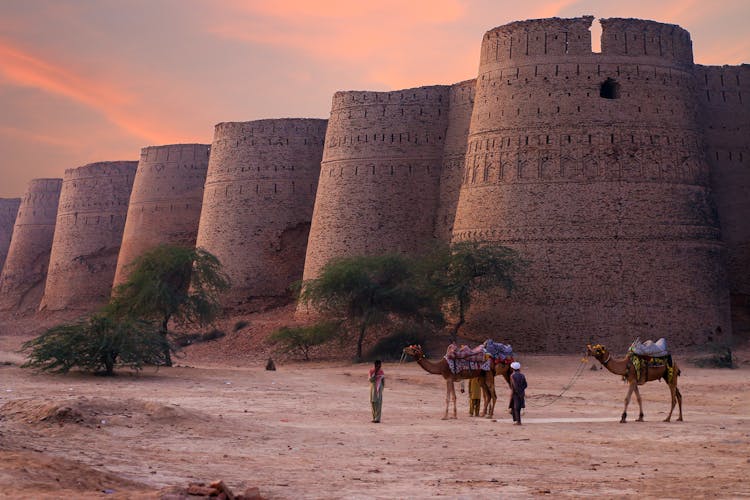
(304, 431)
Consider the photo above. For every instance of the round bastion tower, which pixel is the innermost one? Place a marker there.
(22, 278)
(258, 202)
(165, 203)
(8, 213)
(592, 166)
(379, 179)
(88, 234)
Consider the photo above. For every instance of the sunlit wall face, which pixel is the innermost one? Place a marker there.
(89, 81)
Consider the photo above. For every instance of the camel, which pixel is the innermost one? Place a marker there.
(626, 368)
(486, 380)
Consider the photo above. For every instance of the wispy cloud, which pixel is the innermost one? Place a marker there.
(35, 137)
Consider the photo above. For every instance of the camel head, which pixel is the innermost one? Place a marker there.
(415, 351)
(598, 351)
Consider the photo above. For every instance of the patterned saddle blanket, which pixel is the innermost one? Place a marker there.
(480, 357)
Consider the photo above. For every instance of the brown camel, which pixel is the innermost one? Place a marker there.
(626, 368)
(486, 380)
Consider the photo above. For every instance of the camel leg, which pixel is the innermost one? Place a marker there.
(679, 401)
(448, 386)
(676, 398)
(453, 396)
(640, 404)
(627, 402)
(485, 396)
(492, 395)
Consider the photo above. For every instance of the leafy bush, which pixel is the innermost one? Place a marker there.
(721, 356)
(187, 339)
(391, 347)
(96, 344)
(302, 338)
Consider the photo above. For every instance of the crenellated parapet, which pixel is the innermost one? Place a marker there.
(88, 235)
(25, 270)
(165, 202)
(258, 201)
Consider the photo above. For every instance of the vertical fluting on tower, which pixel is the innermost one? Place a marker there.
(592, 166)
(165, 203)
(379, 178)
(258, 201)
(88, 234)
(25, 270)
(8, 213)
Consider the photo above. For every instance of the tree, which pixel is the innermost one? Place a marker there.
(171, 283)
(457, 273)
(97, 343)
(302, 338)
(369, 290)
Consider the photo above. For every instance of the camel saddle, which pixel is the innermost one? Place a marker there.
(465, 358)
(650, 349)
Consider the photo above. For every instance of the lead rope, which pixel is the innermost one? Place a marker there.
(576, 375)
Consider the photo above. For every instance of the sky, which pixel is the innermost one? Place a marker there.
(97, 80)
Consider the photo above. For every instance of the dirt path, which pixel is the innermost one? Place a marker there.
(304, 431)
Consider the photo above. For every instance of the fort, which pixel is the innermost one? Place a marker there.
(165, 203)
(25, 270)
(620, 176)
(8, 213)
(88, 234)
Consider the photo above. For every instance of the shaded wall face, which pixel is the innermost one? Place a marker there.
(379, 178)
(258, 201)
(8, 212)
(724, 93)
(25, 271)
(88, 234)
(604, 192)
(165, 203)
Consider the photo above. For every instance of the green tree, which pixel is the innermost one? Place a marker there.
(365, 291)
(303, 338)
(456, 274)
(97, 344)
(171, 283)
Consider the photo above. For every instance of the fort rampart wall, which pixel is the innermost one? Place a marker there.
(23, 276)
(8, 213)
(592, 166)
(165, 203)
(258, 201)
(88, 234)
(724, 93)
(380, 174)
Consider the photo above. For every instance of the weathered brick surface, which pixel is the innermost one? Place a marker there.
(8, 212)
(379, 178)
(88, 234)
(22, 279)
(258, 202)
(165, 203)
(724, 92)
(608, 199)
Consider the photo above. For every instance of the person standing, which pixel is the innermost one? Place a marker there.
(475, 396)
(377, 383)
(518, 386)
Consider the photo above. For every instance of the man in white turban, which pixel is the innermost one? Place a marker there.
(518, 386)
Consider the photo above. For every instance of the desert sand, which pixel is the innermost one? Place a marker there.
(304, 431)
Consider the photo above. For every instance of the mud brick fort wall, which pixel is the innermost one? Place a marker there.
(258, 201)
(25, 270)
(165, 203)
(8, 212)
(88, 234)
(380, 174)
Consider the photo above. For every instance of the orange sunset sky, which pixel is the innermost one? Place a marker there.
(95, 80)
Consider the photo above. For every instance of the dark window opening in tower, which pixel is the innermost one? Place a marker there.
(609, 89)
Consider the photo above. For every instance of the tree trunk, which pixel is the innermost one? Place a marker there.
(360, 339)
(167, 349)
(461, 320)
(109, 363)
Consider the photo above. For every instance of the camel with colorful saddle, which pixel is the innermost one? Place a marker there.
(644, 362)
(461, 363)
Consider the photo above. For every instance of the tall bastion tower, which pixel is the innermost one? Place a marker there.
(25, 270)
(88, 234)
(8, 213)
(380, 175)
(593, 166)
(165, 203)
(257, 204)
